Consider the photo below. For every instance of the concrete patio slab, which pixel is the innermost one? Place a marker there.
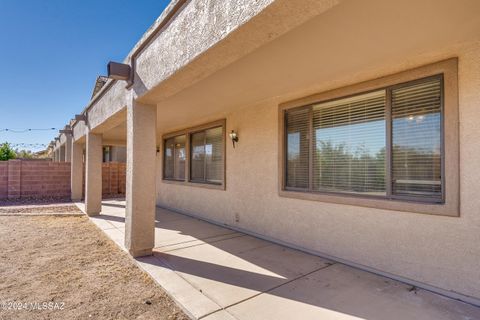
(194, 243)
(190, 298)
(186, 230)
(220, 315)
(103, 223)
(342, 292)
(117, 236)
(163, 215)
(236, 269)
(117, 222)
(216, 273)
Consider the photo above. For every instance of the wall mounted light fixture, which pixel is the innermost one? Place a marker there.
(234, 137)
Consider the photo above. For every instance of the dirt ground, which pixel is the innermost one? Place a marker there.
(46, 209)
(34, 201)
(55, 267)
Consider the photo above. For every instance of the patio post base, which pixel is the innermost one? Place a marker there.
(141, 252)
(93, 214)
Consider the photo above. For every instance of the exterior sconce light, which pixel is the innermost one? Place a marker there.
(118, 71)
(234, 137)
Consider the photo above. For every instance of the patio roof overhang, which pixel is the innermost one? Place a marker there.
(321, 43)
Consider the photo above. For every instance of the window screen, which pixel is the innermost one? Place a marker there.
(206, 163)
(174, 158)
(343, 146)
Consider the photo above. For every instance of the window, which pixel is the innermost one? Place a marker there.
(207, 156)
(385, 143)
(174, 158)
(417, 140)
(196, 156)
(107, 155)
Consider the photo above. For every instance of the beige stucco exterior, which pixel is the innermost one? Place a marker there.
(271, 52)
(443, 252)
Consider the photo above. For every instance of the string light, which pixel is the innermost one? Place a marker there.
(28, 144)
(27, 130)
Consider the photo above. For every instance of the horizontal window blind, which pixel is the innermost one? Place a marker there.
(416, 138)
(341, 146)
(349, 145)
(214, 155)
(207, 156)
(174, 158)
(297, 124)
(197, 161)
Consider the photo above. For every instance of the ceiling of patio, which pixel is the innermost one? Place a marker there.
(116, 135)
(344, 44)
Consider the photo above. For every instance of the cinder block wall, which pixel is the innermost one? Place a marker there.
(122, 177)
(113, 178)
(34, 178)
(40, 179)
(3, 179)
(43, 179)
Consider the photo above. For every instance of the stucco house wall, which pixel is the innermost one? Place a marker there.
(438, 251)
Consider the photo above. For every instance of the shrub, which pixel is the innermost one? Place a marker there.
(6, 152)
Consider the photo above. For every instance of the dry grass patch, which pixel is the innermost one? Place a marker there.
(67, 260)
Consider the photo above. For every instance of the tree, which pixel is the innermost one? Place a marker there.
(24, 154)
(6, 152)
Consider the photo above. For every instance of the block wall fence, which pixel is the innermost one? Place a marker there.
(44, 178)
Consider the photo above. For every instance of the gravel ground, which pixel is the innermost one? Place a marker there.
(68, 267)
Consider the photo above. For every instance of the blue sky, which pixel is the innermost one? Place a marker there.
(53, 50)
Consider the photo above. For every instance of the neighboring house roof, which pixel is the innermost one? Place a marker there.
(99, 83)
(41, 154)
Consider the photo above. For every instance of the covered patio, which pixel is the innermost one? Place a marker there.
(189, 76)
(215, 272)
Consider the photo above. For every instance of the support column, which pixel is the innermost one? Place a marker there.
(76, 171)
(140, 189)
(68, 148)
(62, 153)
(93, 174)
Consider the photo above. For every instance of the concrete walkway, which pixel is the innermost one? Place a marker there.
(217, 273)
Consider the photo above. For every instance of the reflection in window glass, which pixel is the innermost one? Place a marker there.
(416, 135)
(197, 162)
(174, 158)
(297, 149)
(349, 145)
(207, 156)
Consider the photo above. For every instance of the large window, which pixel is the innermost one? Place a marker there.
(196, 155)
(385, 143)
